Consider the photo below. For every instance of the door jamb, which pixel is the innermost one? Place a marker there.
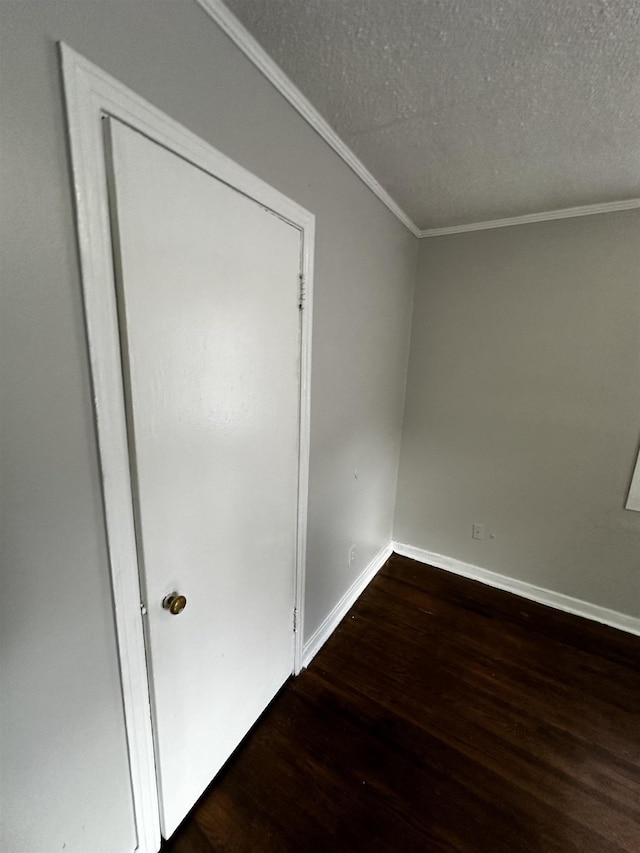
(90, 95)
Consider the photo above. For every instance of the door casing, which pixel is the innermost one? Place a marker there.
(90, 96)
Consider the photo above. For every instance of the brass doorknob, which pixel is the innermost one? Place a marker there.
(174, 603)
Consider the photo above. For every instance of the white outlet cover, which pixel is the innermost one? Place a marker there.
(478, 531)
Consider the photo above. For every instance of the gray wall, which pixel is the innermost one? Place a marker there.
(64, 763)
(523, 405)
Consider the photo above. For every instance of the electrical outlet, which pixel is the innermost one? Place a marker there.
(352, 556)
(478, 531)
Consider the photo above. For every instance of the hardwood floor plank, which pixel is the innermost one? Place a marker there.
(456, 712)
(188, 838)
(442, 782)
(442, 715)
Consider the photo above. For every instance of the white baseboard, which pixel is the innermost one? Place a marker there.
(630, 624)
(558, 600)
(322, 634)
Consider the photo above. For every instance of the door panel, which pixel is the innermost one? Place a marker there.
(209, 323)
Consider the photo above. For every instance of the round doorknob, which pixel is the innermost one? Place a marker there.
(174, 603)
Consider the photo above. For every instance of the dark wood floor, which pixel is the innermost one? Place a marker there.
(441, 715)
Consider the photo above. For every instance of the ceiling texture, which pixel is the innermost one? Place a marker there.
(470, 110)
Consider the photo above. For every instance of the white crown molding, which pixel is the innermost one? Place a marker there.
(558, 600)
(243, 39)
(546, 216)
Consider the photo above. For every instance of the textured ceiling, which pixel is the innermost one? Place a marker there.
(471, 110)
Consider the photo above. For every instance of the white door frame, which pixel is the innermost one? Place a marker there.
(92, 95)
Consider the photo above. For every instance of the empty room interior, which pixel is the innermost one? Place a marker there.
(320, 426)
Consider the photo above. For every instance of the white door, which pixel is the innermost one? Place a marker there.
(210, 338)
